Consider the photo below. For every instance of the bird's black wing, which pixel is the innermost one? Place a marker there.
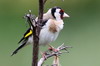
(29, 32)
(26, 35)
(44, 23)
(23, 40)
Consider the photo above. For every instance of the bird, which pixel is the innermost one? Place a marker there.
(51, 26)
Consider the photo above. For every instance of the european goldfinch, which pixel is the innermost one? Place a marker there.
(52, 25)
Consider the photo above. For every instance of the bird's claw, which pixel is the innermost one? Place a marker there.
(51, 48)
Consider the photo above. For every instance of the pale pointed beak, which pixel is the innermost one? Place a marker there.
(66, 15)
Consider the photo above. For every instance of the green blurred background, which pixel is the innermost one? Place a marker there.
(81, 31)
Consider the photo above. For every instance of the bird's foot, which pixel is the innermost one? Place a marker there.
(51, 48)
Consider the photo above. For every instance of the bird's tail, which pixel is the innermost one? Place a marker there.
(21, 46)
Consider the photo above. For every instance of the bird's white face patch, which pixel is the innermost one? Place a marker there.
(58, 10)
(57, 14)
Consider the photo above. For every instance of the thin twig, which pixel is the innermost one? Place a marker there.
(49, 53)
(30, 19)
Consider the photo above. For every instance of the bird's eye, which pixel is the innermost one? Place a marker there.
(62, 12)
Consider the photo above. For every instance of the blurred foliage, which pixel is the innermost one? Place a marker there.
(81, 31)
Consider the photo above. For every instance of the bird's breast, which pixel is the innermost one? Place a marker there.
(47, 37)
(49, 32)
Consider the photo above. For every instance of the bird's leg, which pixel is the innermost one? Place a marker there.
(51, 48)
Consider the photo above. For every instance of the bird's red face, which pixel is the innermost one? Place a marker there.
(61, 13)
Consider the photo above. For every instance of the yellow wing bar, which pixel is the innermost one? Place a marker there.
(28, 34)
